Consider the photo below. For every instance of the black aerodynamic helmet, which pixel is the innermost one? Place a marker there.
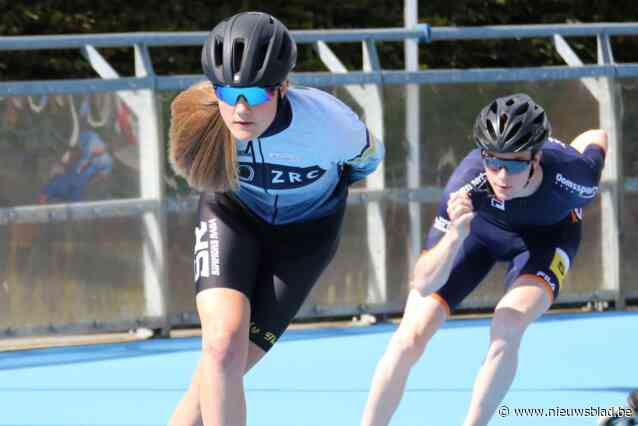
(512, 123)
(249, 49)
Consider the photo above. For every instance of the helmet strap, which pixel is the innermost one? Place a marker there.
(529, 177)
(531, 169)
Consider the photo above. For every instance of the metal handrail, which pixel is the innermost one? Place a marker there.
(423, 32)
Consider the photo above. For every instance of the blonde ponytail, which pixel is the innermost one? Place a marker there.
(201, 148)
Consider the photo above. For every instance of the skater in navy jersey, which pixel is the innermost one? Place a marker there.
(516, 198)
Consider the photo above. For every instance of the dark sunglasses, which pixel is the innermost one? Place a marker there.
(254, 96)
(510, 166)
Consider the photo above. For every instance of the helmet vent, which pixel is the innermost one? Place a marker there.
(525, 139)
(510, 102)
(502, 122)
(540, 118)
(261, 55)
(238, 55)
(218, 51)
(494, 107)
(522, 109)
(513, 131)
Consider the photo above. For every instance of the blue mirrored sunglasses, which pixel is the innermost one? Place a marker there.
(254, 96)
(510, 166)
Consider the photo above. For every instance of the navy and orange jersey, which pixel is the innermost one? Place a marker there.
(570, 181)
(538, 235)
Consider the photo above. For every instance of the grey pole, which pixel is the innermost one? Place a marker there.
(412, 132)
(151, 148)
(612, 177)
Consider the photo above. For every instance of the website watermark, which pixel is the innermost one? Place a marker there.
(507, 411)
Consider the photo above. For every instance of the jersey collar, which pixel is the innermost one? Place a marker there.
(282, 120)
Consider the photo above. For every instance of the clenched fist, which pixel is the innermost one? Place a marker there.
(461, 212)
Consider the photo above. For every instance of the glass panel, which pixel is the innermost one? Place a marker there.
(180, 241)
(85, 261)
(351, 278)
(67, 148)
(71, 272)
(448, 113)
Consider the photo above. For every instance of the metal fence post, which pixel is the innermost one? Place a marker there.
(413, 134)
(612, 177)
(151, 172)
(377, 241)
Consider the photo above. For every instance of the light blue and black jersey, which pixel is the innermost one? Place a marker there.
(272, 239)
(292, 172)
